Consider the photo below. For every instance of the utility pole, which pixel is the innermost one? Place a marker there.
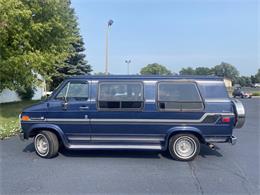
(128, 67)
(109, 23)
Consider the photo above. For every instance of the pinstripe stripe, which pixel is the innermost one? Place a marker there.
(128, 121)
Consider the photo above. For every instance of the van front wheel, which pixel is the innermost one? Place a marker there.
(184, 147)
(46, 144)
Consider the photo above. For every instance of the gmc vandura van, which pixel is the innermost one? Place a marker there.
(174, 113)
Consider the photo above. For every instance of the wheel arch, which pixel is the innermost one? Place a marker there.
(185, 129)
(48, 127)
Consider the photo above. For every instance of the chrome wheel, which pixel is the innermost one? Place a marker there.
(184, 147)
(41, 144)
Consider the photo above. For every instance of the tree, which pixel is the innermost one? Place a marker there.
(226, 70)
(26, 93)
(36, 37)
(203, 71)
(155, 69)
(187, 71)
(257, 76)
(74, 65)
(243, 81)
(196, 71)
(253, 80)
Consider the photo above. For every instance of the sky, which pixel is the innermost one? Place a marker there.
(174, 33)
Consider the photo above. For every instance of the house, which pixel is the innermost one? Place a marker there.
(8, 95)
(228, 84)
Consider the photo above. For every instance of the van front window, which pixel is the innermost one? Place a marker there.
(74, 91)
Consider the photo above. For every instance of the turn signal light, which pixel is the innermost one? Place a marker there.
(226, 119)
(25, 118)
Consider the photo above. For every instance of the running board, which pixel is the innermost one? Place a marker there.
(93, 146)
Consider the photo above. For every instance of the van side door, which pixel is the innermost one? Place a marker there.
(121, 116)
(69, 108)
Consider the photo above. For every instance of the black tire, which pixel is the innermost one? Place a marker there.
(48, 139)
(189, 139)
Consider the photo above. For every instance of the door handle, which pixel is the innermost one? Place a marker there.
(83, 107)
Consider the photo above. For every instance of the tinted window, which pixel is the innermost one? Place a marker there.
(124, 95)
(74, 91)
(213, 90)
(124, 91)
(179, 96)
(178, 92)
(108, 104)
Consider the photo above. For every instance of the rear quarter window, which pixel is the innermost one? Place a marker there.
(213, 90)
(179, 96)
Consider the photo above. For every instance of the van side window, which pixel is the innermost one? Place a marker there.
(77, 91)
(179, 96)
(213, 90)
(123, 95)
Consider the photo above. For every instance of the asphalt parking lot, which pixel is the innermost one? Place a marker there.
(226, 170)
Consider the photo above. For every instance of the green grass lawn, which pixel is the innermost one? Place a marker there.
(9, 112)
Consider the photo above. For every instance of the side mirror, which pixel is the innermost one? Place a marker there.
(48, 93)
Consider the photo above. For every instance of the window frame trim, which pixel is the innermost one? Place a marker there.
(120, 109)
(179, 110)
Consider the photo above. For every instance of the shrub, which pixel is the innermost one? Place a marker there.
(256, 93)
(26, 93)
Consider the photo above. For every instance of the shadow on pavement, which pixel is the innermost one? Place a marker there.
(204, 152)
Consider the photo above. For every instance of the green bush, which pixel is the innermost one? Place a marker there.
(256, 93)
(9, 121)
(26, 93)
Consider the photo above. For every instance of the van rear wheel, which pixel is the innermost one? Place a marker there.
(46, 144)
(184, 147)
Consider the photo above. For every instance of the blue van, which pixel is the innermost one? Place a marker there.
(174, 113)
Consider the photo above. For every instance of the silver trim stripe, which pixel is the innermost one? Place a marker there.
(209, 81)
(102, 120)
(85, 146)
(79, 138)
(107, 138)
(66, 120)
(150, 82)
(116, 138)
(217, 100)
(162, 120)
(150, 100)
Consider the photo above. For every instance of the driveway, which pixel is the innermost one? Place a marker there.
(228, 169)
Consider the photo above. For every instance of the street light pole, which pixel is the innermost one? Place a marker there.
(128, 67)
(110, 22)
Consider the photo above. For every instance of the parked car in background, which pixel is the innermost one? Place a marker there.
(255, 85)
(174, 113)
(239, 93)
